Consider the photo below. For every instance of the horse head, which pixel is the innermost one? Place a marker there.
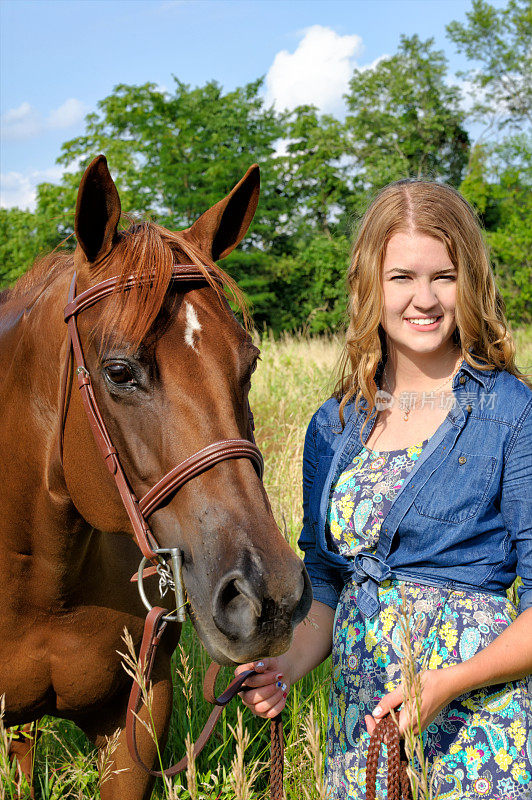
(170, 367)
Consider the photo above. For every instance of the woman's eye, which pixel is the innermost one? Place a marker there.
(120, 374)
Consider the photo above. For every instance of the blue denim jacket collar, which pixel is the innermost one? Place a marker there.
(485, 377)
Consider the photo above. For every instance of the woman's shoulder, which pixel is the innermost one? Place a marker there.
(326, 427)
(328, 414)
(513, 396)
(497, 394)
(513, 383)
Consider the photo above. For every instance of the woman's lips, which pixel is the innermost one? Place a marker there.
(424, 326)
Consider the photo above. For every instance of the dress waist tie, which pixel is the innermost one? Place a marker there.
(369, 571)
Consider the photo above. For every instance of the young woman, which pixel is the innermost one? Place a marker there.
(417, 478)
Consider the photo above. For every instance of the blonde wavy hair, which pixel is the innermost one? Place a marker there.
(439, 211)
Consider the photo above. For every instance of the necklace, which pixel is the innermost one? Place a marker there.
(410, 406)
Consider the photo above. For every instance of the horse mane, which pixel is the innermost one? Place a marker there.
(44, 271)
(148, 252)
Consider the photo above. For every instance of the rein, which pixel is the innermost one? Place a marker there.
(139, 510)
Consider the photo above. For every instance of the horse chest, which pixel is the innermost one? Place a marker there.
(65, 667)
(85, 667)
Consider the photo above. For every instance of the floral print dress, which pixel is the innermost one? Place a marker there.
(480, 745)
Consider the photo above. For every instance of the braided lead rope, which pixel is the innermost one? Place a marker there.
(398, 784)
(277, 758)
(403, 775)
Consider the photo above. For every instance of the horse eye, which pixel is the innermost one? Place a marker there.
(251, 369)
(119, 374)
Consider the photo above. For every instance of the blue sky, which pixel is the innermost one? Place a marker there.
(59, 57)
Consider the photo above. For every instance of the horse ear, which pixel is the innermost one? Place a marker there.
(222, 227)
(97, 210)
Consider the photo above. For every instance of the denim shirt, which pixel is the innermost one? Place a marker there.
(463, 517)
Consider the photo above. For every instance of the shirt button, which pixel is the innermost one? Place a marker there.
(469, 409)
(462, 460)
(463, 379)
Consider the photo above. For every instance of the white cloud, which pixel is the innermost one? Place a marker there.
(281, 147)
(316, 73)
(21, 123)
(19, 189)
(374, 63)
(25, 122)
(71, 112)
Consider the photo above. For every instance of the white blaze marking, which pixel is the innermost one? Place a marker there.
(193, 326)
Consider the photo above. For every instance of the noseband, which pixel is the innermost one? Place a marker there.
(138, 510)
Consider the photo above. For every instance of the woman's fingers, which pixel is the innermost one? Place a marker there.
(265, 679)
(258, 666)
(390, 700)
(268, 673)
(253, 696)
(270, 707)
(370, 723)
(267, 691)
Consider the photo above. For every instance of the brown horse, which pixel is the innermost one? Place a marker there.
(170, 368)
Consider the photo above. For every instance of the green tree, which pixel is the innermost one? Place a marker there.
(175, 154)
(499, 185)
(18, 243)
(405, 120)
(26, 235)
(316, 168)
(500, 41)
(310, 286)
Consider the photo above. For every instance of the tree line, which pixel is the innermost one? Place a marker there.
(175, 153)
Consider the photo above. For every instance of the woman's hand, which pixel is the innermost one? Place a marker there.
(436, 693)
(310, 646)
(269, 691)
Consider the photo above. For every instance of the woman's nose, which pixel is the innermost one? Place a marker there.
(425, 297)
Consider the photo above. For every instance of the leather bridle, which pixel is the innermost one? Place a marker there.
(139, 510)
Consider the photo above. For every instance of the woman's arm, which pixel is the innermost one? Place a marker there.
(310, 646)
(507, 658)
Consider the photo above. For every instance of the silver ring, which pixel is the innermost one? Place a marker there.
(179, 615)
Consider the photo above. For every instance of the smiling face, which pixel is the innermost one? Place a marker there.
(419, 287)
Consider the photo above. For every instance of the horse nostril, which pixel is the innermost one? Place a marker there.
(229, 592)
(236, 607)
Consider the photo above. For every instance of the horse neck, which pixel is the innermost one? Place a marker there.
(38, 517)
